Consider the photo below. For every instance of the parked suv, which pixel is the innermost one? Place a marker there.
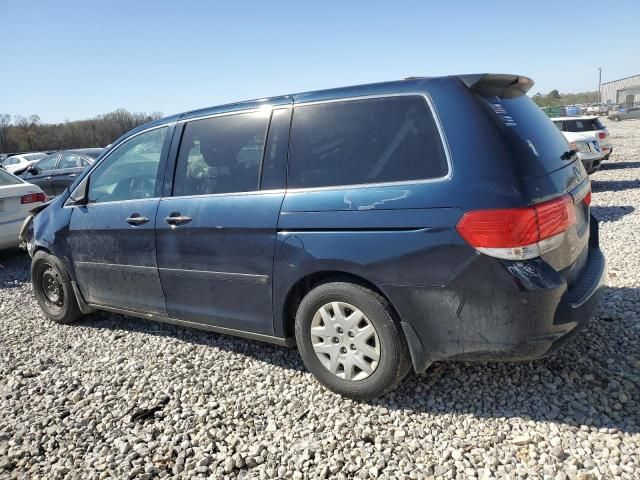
(377, 228)
(587, 136)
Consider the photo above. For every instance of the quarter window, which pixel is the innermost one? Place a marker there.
(386, 139)
(131, 171)
(221, 154)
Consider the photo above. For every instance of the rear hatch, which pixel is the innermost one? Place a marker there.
(543, 161)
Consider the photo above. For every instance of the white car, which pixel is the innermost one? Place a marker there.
(594, 141)
(598, 109)
(16, 163)
(17, 197)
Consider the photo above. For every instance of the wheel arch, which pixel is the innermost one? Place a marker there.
(305, 284)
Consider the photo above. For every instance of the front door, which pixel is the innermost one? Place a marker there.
(112, 237)
(216, 234)
(41, 173)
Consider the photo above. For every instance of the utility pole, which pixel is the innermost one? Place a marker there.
(599, 84)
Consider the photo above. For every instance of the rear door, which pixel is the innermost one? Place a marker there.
(216, 233)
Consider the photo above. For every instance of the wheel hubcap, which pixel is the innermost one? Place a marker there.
(345, 341)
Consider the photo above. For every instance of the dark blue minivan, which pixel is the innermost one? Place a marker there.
(377, 228)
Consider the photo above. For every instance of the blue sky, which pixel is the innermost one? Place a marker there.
(77, 59)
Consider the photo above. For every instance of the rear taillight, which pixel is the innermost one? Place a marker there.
(519, 233)
(602, 135)
(33, 198)
(587, 198)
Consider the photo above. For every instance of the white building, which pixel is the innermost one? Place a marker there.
(625, 90)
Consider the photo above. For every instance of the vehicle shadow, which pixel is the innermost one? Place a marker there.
(614, 185)
(619, 165)
(611, 214)
(14, 266)
(593, 380)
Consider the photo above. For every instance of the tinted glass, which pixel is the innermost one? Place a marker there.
(48, 163)
(221, 154)
(583, 125)
(90, 152)
(70, 160)
(275, 158)
(560, 126)
(131, 171)
(364, 141)
(11, 161)
(7, 179)
(536, 143)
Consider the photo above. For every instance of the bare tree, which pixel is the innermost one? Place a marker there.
(5, 123)
(28, 133)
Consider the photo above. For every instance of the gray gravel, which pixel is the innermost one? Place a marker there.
(226, 407)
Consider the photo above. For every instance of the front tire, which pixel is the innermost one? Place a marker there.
(349, 340)
(53, 289)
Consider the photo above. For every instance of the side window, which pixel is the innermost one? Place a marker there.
(47, 163)
(221, 154)
(385, 139)
(70, 160)
(131, 171)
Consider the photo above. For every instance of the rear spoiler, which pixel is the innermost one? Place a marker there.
(497, 84)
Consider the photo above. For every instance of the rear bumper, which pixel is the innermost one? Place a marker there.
(499, 310)
(9, 233)
(591, 161)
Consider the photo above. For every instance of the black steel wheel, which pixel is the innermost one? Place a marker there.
(53, 289)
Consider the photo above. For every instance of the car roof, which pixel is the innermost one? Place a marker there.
(582, 117)
(85, 151)
(517, 81)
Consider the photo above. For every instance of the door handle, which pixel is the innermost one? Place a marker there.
(73, 174)
(176, 219)
(136, 220)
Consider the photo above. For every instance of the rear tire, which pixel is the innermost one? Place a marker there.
(341, 328)
(53, 289)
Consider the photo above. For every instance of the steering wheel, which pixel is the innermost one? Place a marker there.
(141, 187)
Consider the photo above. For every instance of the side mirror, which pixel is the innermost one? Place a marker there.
(33, 170)
(80, 196)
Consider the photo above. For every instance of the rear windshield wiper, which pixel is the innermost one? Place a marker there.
(568, 155)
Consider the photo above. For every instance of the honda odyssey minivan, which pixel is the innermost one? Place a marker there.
(377, 228)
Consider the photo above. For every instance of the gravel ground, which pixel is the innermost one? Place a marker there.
(70, 395)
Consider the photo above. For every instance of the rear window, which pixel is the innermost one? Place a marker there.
(536, 142)
(375, 140)
(7, 179)
(34, 156)
(583, 125)
(93, 154)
